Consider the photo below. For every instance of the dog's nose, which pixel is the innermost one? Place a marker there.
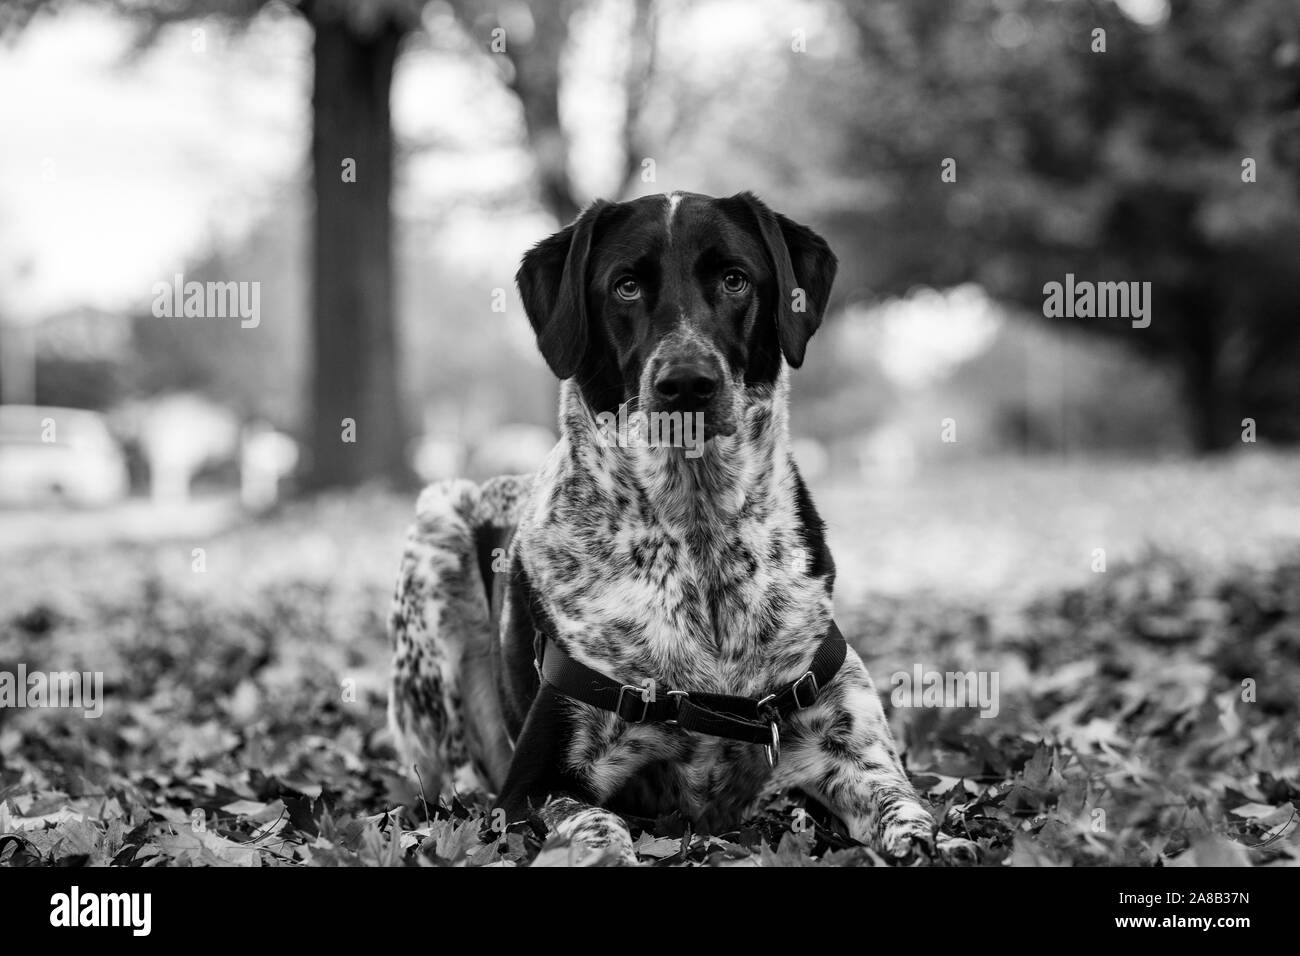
(686, 386)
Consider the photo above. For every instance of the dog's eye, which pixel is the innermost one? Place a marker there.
(735, 281)
(627, 289)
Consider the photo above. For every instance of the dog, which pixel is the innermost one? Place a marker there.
(646, 628)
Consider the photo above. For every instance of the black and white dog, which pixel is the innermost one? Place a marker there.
(644, 628)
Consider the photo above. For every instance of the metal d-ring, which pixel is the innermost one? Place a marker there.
(773, 750)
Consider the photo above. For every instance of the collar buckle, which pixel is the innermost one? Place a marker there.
(640, 697)
(799, 689)
(679, 697)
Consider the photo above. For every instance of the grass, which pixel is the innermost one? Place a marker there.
(244, 703)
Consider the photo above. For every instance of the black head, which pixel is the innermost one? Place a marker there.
(677, 302)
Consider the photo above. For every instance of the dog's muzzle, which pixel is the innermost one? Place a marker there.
(688, 378)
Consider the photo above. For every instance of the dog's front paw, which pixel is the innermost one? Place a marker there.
(957, 850)
(619, 853)
(597, 837)
(909, 844)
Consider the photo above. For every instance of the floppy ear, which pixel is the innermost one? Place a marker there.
(552, 282)
(805, 270)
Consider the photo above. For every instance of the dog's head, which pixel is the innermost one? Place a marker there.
(676, 302)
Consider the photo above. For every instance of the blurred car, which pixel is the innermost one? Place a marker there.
(59, 455)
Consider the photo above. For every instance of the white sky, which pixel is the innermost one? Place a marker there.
(112, 174)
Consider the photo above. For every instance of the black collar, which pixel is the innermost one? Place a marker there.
(754, 720)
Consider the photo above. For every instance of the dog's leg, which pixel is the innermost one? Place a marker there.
(841, 752)
(540, 768)
(439, 616)
(594, 834)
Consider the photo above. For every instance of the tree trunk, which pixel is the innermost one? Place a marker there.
(1202, 383)
(1211, 430)
(354, 348)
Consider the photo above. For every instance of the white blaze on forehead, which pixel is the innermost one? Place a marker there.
(674, 200)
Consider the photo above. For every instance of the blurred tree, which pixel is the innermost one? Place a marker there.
(528, 44)
(529, 40)
(1119, 165)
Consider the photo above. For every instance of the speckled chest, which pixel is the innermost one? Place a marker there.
(709, 602)
(707, 599)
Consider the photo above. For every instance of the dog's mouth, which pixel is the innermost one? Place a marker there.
(721, 429)
(641, 423)
(689, 425)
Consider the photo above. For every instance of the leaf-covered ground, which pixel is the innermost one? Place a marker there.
(1147, 714)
